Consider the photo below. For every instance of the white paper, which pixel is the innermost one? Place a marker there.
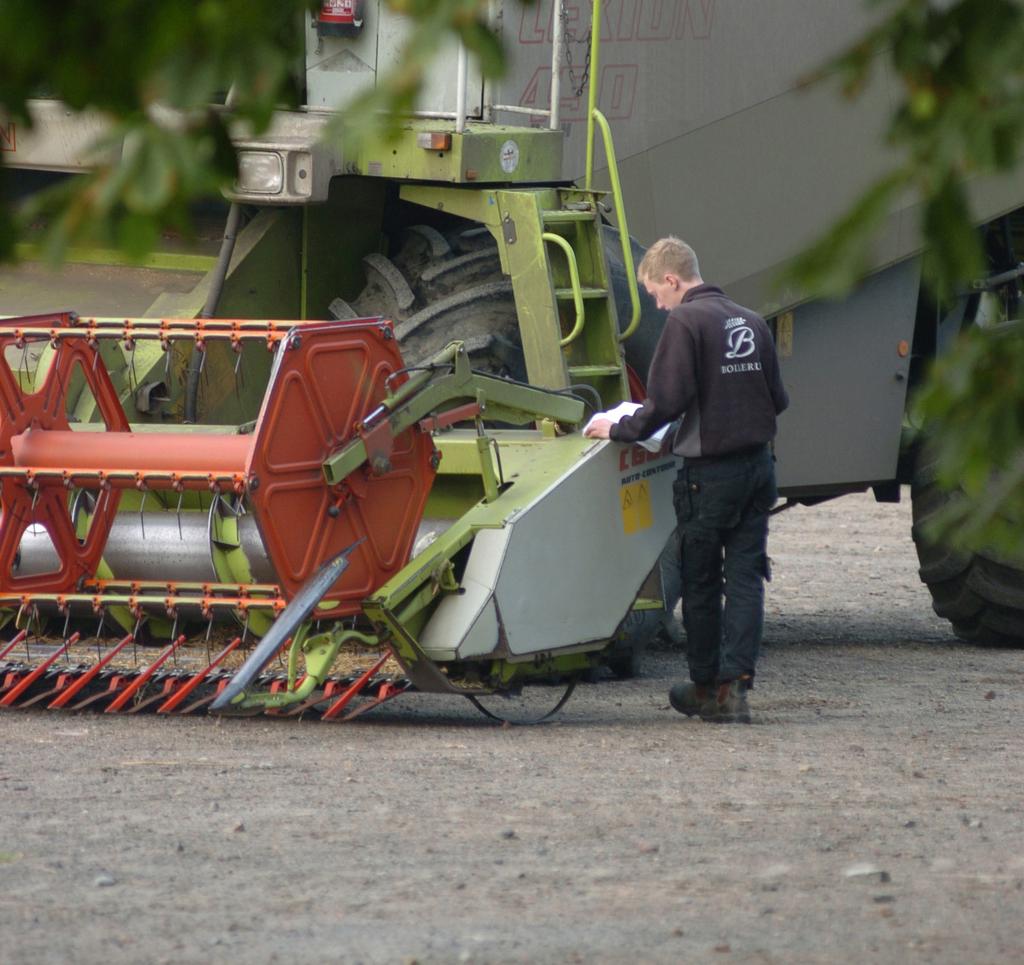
(653, 444)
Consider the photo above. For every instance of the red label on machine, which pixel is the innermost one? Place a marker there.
(342, 12)
(635, 456)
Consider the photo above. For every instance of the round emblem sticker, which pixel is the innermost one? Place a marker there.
(509, 156)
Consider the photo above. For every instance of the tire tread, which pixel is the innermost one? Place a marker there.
(982, 596)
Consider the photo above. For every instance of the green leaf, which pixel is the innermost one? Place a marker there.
(155, 177)
(481, 40)
(137, 235)
(954, 254)
(972, 406)
(834, 264)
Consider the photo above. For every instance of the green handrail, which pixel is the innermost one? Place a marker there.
(595, 71)
(620, 218)
(594, 116)
(574, 279)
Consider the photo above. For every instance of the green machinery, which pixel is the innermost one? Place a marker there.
(719, 140)
(333, 493)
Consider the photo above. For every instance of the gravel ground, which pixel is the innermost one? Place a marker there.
(871, 813)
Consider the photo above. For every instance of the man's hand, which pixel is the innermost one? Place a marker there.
(598, 429)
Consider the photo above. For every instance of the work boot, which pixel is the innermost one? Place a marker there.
(692, 699)
(730, 704)
(726, 704)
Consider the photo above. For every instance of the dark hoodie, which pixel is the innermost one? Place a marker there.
(715, 365)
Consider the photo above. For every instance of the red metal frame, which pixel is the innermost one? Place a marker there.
(324, 384)
(101, 593)
(18, 638)
(327, 377)
(451, 416)
(388, 690)
(25, 500)
(53, 328)
(203, 701)
(82, 682)
(116, 684)
(353, 689)
(11, 697)
(139, 682)
(178, 697)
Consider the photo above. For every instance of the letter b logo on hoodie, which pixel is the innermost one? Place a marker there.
(741, 343)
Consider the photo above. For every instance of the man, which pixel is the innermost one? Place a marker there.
(716, 366)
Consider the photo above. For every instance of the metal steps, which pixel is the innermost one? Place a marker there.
(588, 334)
(569, 215)
(567, 294)
(589, 372)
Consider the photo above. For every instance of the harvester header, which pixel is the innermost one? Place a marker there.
(325, 378)
(319, 527)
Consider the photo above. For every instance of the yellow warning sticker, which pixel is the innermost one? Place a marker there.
(636, 507)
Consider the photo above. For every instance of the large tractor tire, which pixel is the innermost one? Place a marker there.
(443, 281)
(980, 594)
(440, 286)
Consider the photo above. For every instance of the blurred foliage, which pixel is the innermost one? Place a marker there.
(379, 111)
(972, 408)
(153, 70)
(959, 115)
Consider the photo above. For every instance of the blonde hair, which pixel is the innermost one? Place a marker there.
(668, 255)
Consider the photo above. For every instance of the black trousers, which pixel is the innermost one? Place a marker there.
(722, 507)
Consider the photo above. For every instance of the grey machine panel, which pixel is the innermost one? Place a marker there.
(718, 137)
(566, 568)
(847, 383)
(580, 535)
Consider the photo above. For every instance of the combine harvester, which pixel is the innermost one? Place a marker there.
(373, 504)
(361, 486)
(300, 530)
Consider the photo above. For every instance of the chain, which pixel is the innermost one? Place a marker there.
(568, 36)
